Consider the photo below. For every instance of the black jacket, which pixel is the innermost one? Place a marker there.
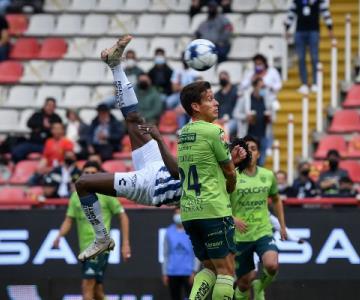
(39, 133)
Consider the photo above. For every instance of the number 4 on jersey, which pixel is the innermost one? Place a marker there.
(193, 179)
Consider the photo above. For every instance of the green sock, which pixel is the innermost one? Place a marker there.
(239, 295)
(223, 288)
(203, 282)
(266, 279)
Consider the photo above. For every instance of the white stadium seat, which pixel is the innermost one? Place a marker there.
(87, 115)
(117, 114)
(95, 24)
(140, 46)
(102, 44)
(209, 75)
(4, 90)
(81, 6)
(24, 118)
(136, 6)
(21, 96)
(266, 5)
(9, 120)
(100, 93)
(41, 24)
(80, 48)
(36, 71)
(91, 72)
(64, 72)
(278, 24)
(76, 96)
(56, 5)
(196, 21)
(68, 25)
(274, 44)
(149, 24)
(161, 5)
(108, 79)
(121, 24)
(109, 5)
(244, 5)
(176, 24)
(257, 24)
(243, 48)
(237, 21)
(180, 5)
(146, 65)
(46, 91)
(168, 44)
(234, 69)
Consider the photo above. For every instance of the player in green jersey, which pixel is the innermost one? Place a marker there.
(207, 175)
(93, 269)
(251, 215)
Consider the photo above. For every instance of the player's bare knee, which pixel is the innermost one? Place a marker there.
(243, 284)
(272, 267)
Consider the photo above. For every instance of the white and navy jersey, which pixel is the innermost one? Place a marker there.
(167, 189)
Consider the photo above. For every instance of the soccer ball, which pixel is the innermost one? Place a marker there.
(200, 54)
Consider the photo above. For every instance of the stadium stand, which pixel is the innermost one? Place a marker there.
(17, 24)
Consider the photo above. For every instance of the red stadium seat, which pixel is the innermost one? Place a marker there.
(23, 171)
(25, 48)
(53, 48)
(10, 71)
(345, 121)
(114, 165)
(126, 149)
(331, 142)
(354, 147)
(316, 168)
(168, 122)
(353, 97)
(17, 24)
(353, 168)
(80, 164)
(14, 195)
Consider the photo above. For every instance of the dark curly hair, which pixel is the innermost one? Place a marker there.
(242, 143)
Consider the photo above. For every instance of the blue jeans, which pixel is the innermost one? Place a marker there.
(22, 150)
(4, 52)
(304, 39)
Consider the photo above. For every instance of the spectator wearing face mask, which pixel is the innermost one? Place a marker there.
(196, 6)
(160, 73)
(329, 181)
(150, 104)
(131, 69)
(285, 190)
(304, 186)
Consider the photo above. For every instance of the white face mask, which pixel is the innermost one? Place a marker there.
(130, 63)
(159, 60)
(177, 219)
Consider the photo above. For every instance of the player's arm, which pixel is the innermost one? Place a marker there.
(169, 160)
(228, 169)
(279, 211)
(125, 242)
(64, 230)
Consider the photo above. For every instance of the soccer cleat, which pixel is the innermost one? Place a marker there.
(259, 293)
(112, 56)
(238, 295)
(314, 88)
(96, 248)
(304, 89)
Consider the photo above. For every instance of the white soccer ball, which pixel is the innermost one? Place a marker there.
(200, 54)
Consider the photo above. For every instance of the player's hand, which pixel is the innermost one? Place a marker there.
(238, 154)
(165, 280)
(126, 251)
(240, 225)
(152, 130)
(56, 242)
(283, 234)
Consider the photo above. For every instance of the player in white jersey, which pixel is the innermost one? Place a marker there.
(151, 183)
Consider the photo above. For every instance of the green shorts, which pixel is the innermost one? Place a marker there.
(244, 257)
(95, 268)
(211, 238)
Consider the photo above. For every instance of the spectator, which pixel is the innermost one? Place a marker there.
(196, 6)
(59, 182)
(180, 264)
(304, 186)
(39, 123)
(217, 28)
(269, 75)
(307, 34)
(105, 133)
(346, 188)
(329, 181)
(227, 98)
(150, 104)
(285, 190)
(4, 38)
(76, 131)
(131, 69)
(255, 114)
(160, 73)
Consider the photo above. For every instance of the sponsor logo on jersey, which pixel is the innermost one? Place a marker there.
(253, 190)
(187, 138)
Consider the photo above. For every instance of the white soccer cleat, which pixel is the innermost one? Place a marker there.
(96, 248)
(314, 88)
(112, 56)
(304, 89)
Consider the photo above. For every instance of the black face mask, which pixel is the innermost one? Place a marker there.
(223, 82)
(305, 172)
(69, 161)
(333, 164)
(143, 85)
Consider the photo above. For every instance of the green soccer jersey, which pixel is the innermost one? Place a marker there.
(201, 148)
(249, 203)
(109, 206)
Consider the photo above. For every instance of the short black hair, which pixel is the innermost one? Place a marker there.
(262, 58)
(159, 51)
(250, 138)
(50, 99)
(102, 107)
(333, 152)
(255, 82)
(245, 163)
(92, 164)
(192, 93)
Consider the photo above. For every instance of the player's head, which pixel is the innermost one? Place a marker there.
(254, 148)
(49, 105)
(57, 130)
(244, 163)
(91, 167)
(260, 63)
(198, 101)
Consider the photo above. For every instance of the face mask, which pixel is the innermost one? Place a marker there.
(130, 63)
(282, 186)
(223, 82)
(143, 85)
(262, 92)
(159, 60)
(333, 164)
(305, 172)
(177, 219)
(259, 68)
(69, 161)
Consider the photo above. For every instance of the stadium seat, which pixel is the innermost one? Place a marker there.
(91, 72)
(243, 48)
(234, 69)
(161, 5)
(23, 171)
(100, 93)
(21, 96)
(345, 121)
(95, 25)
(36, 71)
(53, 48)
(353, 150)
(353, 97)
(10, 71)
(114, 165)
(278, 24)
(125, 149)
(42, 24)
(274, 44)
(25, 48)
(197, 20)
(136, 6)
(76, 96)
(330, 142)
(121, 24)
(68, 25)
(176, 24)
(257, 24)
(316, 167)
(117, 114)
(266, 5)
(35, 192)
(17, 24)
(56, 6)
(80, 48)
(244, 5)
(64, 72)
(101, 44)
(109, 6)
(140, 46)
(87, 115)
(81, 6)
(48, 91)
(168, 122)
(209, 75)
(180, 5)
(237, 21)
(353, 168)
(15, 195)
(9, 120)
(166, 43)
(149, 24)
